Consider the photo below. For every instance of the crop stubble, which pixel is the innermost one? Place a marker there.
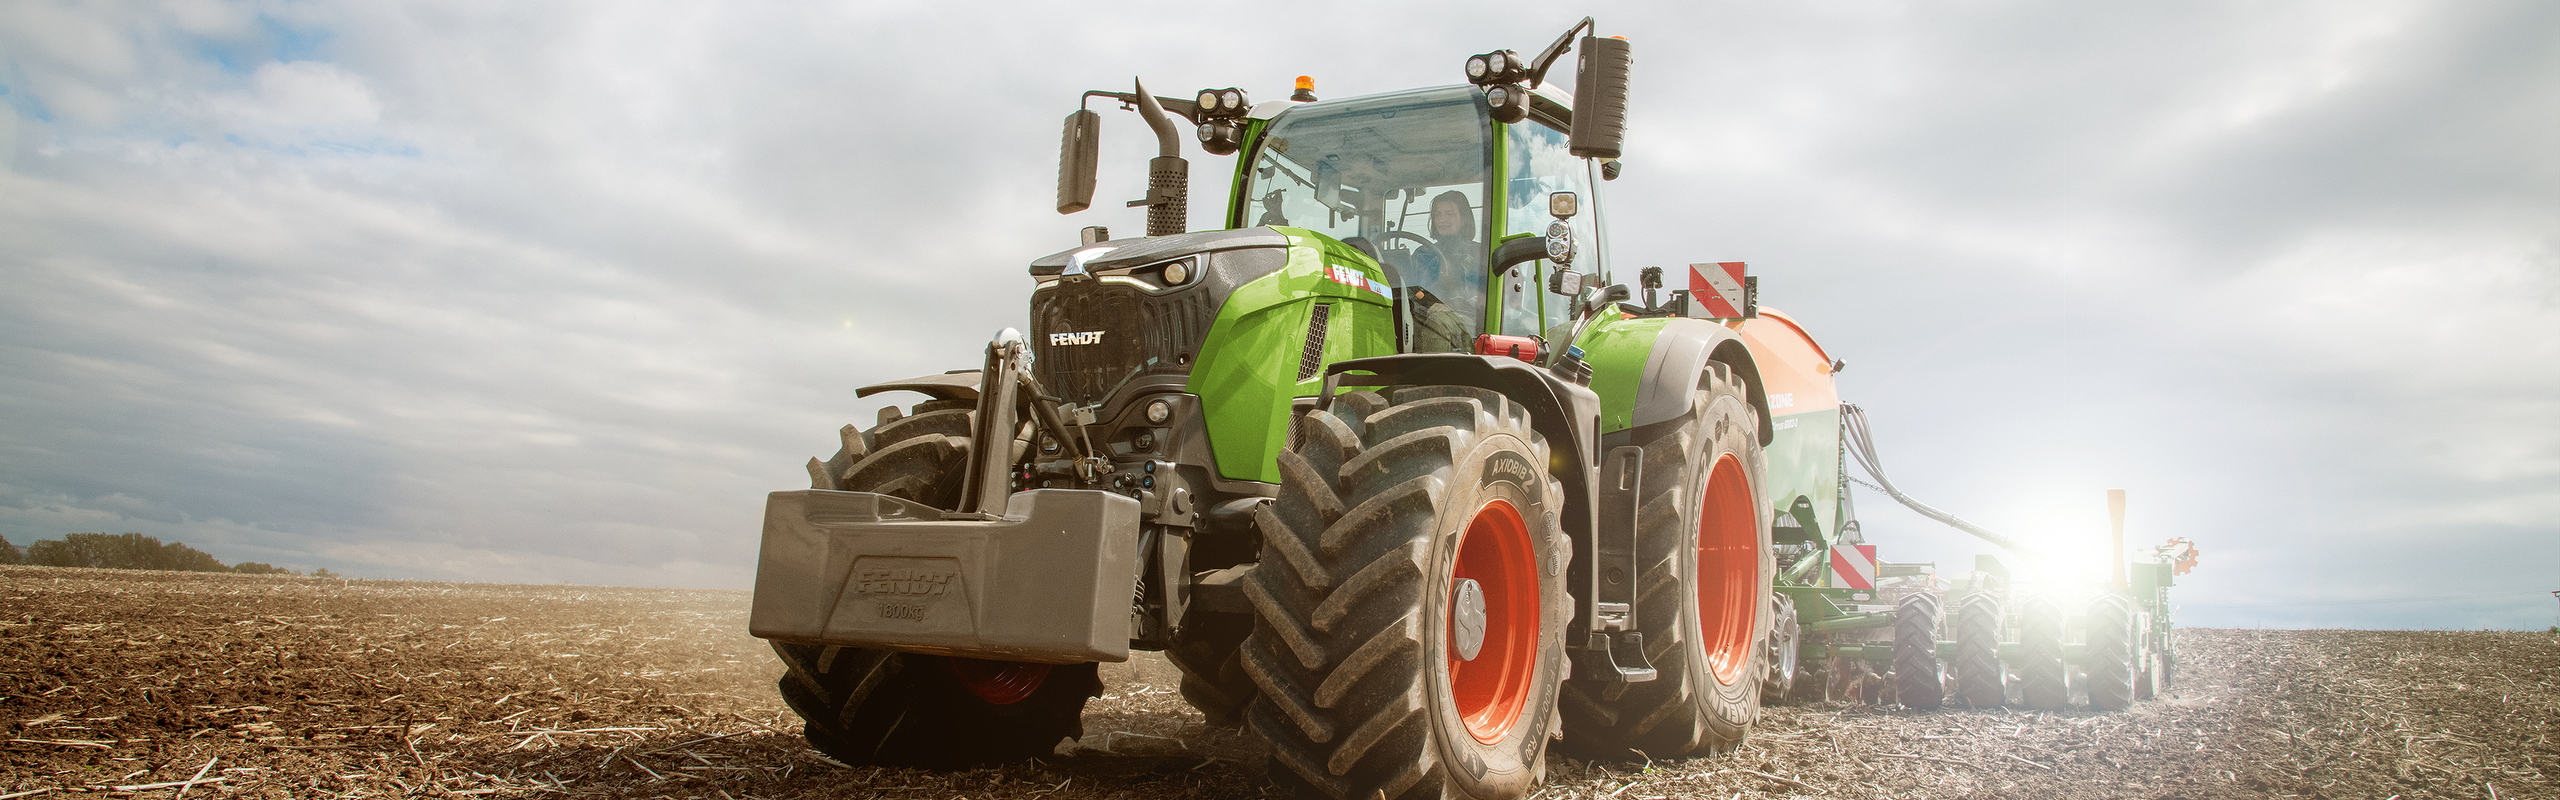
(154, 683)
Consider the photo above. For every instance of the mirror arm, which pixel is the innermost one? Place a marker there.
(1179, 107)
(1563, 45)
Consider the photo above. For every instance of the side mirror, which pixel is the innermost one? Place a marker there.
(1328, 185)
(1079, 154)
(1600, 98)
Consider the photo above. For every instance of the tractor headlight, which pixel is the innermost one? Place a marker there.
(1158, 411)
(1177, 273)
(1234, 99)
(1208, 100)
(1497, 67)
(1221, 136)
(1508, 102)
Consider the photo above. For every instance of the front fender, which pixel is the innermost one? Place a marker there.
(962, 385)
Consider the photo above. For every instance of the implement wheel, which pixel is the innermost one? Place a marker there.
(1979, 678)
(1786, 635)
(1702, 548)
(2044, 681)
(1410, 605)
(1919, 678)
(868, 706)
(2113, 655)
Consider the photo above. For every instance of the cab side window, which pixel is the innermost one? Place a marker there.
(1539, 164)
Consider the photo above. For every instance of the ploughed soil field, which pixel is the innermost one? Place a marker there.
(157, 683)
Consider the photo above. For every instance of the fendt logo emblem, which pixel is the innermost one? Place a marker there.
(1080, 337)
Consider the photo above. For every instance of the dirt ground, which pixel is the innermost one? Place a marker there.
(154, 683)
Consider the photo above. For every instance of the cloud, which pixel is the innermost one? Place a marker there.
(293, 102)
(514, 291)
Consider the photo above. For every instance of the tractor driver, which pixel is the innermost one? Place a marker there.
(1451, 268)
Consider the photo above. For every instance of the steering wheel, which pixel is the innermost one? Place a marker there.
(1416, 237)
(1397, 260)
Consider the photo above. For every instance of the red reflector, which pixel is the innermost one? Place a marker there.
(1524, 348)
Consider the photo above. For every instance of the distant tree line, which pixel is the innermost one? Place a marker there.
(128, 551)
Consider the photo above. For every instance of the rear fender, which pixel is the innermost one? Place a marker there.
(1661, 362)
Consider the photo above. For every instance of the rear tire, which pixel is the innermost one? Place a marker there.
(1387, 512)
(1705, 565)
(869, 706)
(2044, 682)
(1919, 678)
(2112, 659)
(1979, 677)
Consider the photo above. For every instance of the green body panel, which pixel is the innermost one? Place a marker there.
(1616, 348)
(1250, 361)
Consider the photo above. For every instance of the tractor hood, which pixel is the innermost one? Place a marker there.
(1133, 313)
(1119, 254)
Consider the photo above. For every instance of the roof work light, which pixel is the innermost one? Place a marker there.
(1222, 119)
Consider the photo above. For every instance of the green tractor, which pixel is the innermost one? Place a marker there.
(1401, 482)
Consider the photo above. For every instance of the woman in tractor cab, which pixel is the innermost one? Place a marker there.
(1454, 262)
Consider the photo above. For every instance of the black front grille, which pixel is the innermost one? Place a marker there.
(1089, 337)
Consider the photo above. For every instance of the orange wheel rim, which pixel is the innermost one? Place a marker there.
(1000, 683)
(1728, 575)
(1491, 689)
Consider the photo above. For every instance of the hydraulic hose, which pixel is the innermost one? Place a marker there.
(1861, 446)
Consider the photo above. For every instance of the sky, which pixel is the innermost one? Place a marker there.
(557, 292)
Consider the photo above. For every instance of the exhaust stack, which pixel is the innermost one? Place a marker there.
(1168, 175)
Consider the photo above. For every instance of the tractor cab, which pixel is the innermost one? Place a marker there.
(1428, 183)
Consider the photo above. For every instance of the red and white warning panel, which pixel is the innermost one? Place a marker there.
(1721, 290)
(1853, 566)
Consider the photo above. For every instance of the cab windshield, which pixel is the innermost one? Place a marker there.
(1403, 176)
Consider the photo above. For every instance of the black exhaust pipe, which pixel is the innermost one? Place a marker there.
(1168, 175)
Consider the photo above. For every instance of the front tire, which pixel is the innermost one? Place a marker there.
(1705, 561)
(1213, 678)
(870, 706)
(1410, 600)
